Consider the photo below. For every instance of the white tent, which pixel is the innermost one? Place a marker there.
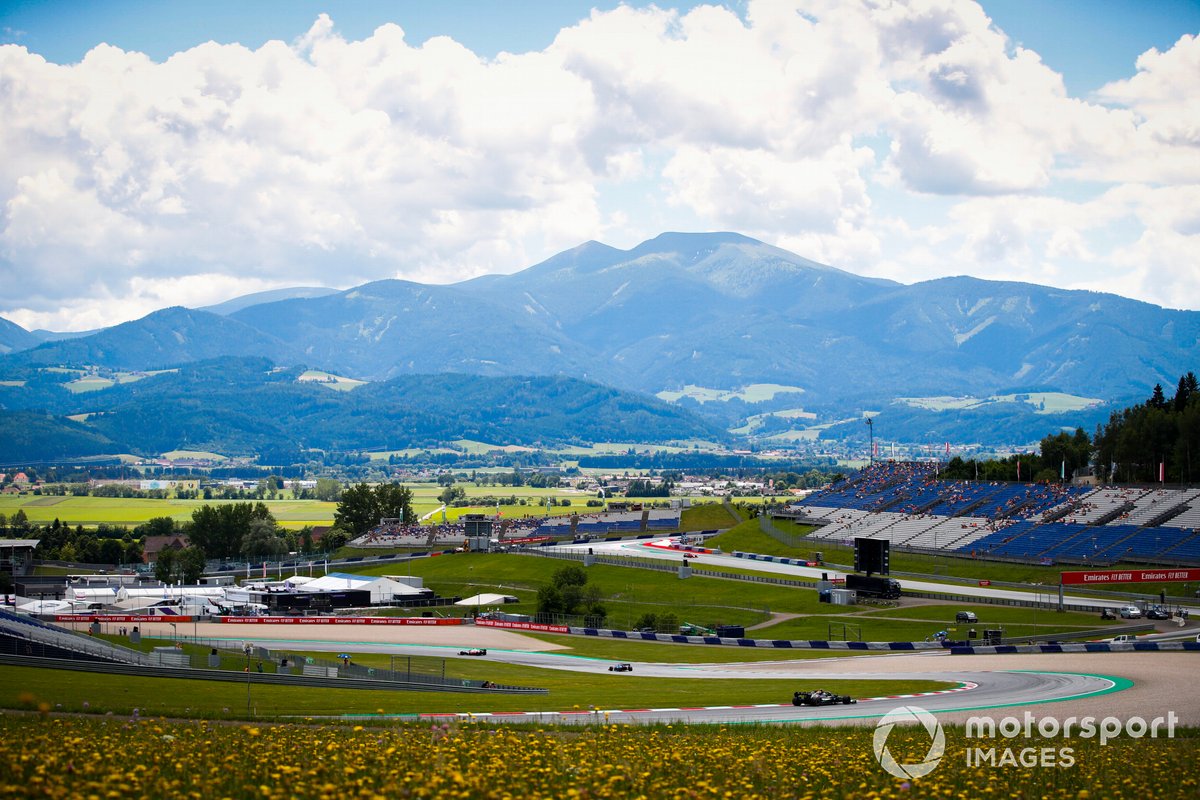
(105, 595)
(169, 592)
(47, 607)
(488, 600)
(383, 590)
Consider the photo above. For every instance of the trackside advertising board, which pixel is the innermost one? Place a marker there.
(342, 620)
(176, 618)
(1102, 576)
(523, 626)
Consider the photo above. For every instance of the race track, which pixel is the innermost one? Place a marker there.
(1117, 684)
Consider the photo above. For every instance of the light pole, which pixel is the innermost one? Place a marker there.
(871, 451)
(247, 648)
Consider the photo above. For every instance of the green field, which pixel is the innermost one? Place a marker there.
(90, 511)
(754, 393)
(328, 379)
(179, 697)
(629, 592)
(194, 454)
(1044, 402)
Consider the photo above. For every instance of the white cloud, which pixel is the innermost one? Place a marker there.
(832, 128)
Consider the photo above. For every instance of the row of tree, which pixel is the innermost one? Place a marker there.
(569, 594)
(104, 544)
(1149, 442)
(1155, 440)
(1060, 455)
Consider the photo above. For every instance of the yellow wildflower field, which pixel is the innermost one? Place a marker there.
(43, 756)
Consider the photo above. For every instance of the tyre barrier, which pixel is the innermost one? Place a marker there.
(779, 644)
(796, 562)
(1083, 647)
(954, 647)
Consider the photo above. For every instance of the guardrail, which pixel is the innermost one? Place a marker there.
(954, 646)
(269, 678)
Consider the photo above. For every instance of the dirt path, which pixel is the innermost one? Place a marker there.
(776, 617)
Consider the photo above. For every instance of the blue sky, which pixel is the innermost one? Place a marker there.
(928, 141)
(1091, 42)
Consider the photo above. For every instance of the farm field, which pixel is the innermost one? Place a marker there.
(90, 511)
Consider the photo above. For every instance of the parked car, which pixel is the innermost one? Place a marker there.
(1108, 613)
(474, 651)
(966, 616)
(1157, 612)
(1130, 612)
(1124, 638)
(622, 667)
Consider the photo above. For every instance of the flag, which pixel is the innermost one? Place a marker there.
(1062, 473)
(1162, 471)
(1018, 469)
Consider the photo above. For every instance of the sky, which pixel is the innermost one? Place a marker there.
(159, 154)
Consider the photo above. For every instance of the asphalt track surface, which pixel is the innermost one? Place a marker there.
(1116, 684)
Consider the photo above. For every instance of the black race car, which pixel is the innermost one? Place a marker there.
(623, 667)
(474, 651)
(820, 697)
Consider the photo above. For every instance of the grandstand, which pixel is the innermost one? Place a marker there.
(907, 504)
(611, 523)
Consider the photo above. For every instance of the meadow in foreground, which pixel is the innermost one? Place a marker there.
(130, 757)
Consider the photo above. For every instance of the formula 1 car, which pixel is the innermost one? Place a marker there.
(623, 667)
(820, 697)
(474, 651)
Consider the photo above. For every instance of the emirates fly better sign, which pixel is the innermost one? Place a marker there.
(1101, 576)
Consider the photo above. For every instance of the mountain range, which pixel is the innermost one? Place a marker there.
(716, 310)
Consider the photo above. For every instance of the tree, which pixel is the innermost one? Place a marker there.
(362, 507)
(305, 540)
(132, 548)
(1156, 398)
(1184, 392)
(334, 539)
(219, 530)
(189, 566)
(570, 593)
(111, 551)
(156, 526)
(164, 565)
(451, 494)
(328, 490)
(262, 541)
